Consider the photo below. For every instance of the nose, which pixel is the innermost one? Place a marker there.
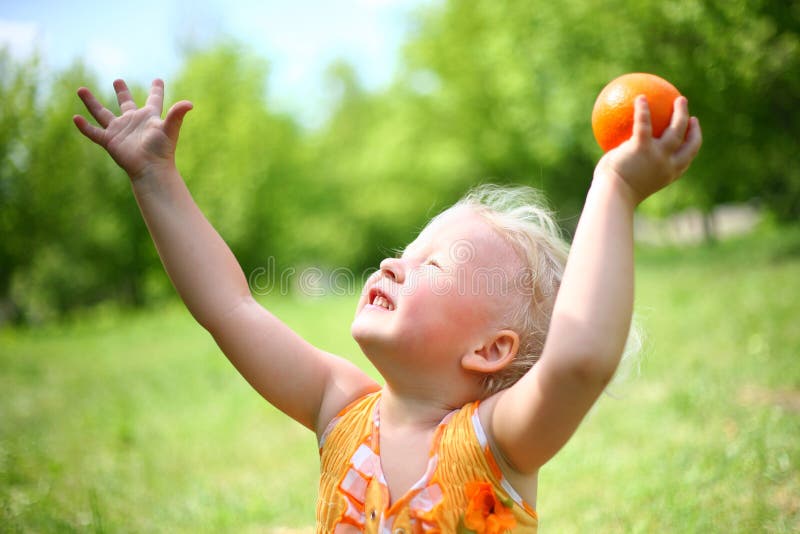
(393, 268)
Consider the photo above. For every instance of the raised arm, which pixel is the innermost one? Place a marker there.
(301, 380)
(591, 319)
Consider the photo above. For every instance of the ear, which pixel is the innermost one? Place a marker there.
(493, 356)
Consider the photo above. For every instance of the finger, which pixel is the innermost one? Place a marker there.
(124, 97)
(690, 147)
(102, 115)
(92, 132)
(156, 98)
(642, 125)
(675, 133)
(174, 119)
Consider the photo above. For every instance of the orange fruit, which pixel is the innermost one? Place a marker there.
(612, 116)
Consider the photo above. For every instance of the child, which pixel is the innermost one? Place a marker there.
(455, 437)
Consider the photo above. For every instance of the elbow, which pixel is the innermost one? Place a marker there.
(215, 320)
(591, 367)
(594, 370)
(589, 355)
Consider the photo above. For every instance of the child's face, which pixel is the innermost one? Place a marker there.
(445, 294)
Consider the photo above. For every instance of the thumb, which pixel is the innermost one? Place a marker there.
(174, 119)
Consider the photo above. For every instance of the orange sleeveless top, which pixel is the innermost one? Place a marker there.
(462, 489)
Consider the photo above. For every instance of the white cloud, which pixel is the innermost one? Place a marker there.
(21, 38)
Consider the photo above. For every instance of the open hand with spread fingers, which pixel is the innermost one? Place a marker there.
(138, 139)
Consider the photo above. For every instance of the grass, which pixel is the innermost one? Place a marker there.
(131, 422)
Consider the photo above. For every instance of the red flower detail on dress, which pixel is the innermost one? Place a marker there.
(486, 513)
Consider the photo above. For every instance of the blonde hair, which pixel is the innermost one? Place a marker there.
(521, 216)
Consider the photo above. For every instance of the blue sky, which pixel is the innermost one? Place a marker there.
(140, 40)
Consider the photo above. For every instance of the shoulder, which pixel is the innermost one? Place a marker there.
(356, 414)
(347, 384)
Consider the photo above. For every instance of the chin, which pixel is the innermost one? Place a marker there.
(355, 332)
(369, 337)
(362, 333)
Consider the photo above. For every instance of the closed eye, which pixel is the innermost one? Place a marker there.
(433, 263)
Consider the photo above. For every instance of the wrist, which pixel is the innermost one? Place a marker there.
(153, 171)
(155, 179)
(607, 181)
(612, 191)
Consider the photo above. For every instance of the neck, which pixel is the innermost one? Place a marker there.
(421, 406)
(417, 391)
(412, 409)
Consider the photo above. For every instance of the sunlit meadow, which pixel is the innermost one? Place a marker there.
(134, 422)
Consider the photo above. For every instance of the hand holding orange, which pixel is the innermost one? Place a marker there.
(612, 116)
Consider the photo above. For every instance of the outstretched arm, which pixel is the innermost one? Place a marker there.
(193, 253)
(591, 318)
(304, 382)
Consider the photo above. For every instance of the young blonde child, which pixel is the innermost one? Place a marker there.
(455, 437)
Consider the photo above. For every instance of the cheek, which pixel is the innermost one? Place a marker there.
(450, 310)
(473, 315)
(429, 282)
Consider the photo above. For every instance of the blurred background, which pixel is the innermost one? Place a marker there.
(324, 136)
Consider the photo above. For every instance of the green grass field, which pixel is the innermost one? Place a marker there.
(134, 422)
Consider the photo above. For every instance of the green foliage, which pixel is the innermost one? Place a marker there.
(381, 173)
(517, 81)
(487, 91)
(242, 161)
(18, 118)
(739, 64)
(74, 237)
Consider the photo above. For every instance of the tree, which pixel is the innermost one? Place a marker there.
(18, 117)
(242, 160)
(517, 80)
(82, 240)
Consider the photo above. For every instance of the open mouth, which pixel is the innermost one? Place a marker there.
(379, 299)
